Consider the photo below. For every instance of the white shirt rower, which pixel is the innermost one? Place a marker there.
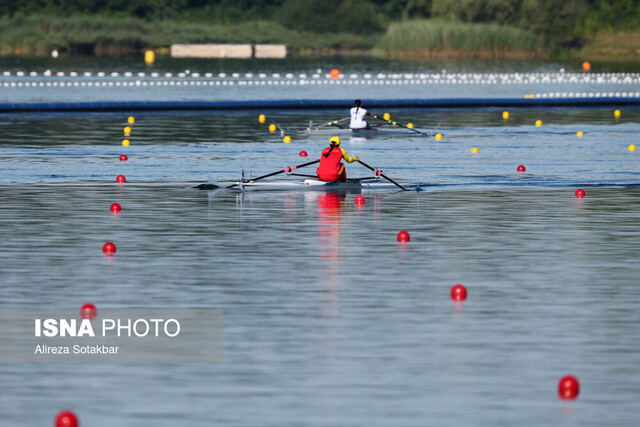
(357, 116)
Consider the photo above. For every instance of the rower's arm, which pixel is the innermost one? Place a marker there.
(347, 158)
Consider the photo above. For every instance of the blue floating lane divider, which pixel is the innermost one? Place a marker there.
(313, 104)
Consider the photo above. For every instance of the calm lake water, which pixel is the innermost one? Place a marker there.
(328, 320)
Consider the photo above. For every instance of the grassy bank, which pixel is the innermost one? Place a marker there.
(444, 39)
(100, 35)
(106, 35)
(623, 46)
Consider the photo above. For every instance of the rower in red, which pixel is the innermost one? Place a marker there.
(331, 167)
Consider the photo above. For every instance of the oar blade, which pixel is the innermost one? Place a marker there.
(207, 186)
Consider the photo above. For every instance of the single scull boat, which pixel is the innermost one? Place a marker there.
(373, 132)
(356, 184)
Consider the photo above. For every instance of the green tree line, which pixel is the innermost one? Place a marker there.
(562, 23)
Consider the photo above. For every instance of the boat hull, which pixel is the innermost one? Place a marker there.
(362, 133)
(315, 185)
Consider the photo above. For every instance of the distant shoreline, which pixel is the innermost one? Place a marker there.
(418, 39)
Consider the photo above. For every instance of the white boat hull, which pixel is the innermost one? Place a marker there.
(363, 133)
(315, 185)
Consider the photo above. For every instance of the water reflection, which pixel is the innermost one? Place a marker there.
(330, 209)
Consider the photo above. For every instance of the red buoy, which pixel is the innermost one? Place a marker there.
(403, 236)
(303, 153)
(66, 419)
(459, 293)
(88, 311)
(568, 387)
(109, 248)
(115, 207)
(580, 193)
(521, 168)
(123, 158)
(586, 66)
(121, 179)
(359, 200)
(335, 73)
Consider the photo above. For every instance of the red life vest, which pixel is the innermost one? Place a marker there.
(329, 165)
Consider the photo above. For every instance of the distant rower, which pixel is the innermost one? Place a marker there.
(357, 116)
(331, 168)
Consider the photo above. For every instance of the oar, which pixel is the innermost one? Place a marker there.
(212, 186)
(335, 122)
(399, 124)
(287, 169)
(379, 172)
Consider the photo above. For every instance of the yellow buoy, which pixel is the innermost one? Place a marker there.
(127, 131)
(474, 150)
(272, 128)
(286, 139)
(617, 114)
(386, 116)
(538, 122)
(438, 136)
(125, 142)
(505, 115)
(579, 133)
(262, 118)
(149, 57)
(410, 125)
(131, 120)
(632, 147)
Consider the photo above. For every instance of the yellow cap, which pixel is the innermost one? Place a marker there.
(335, 140)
